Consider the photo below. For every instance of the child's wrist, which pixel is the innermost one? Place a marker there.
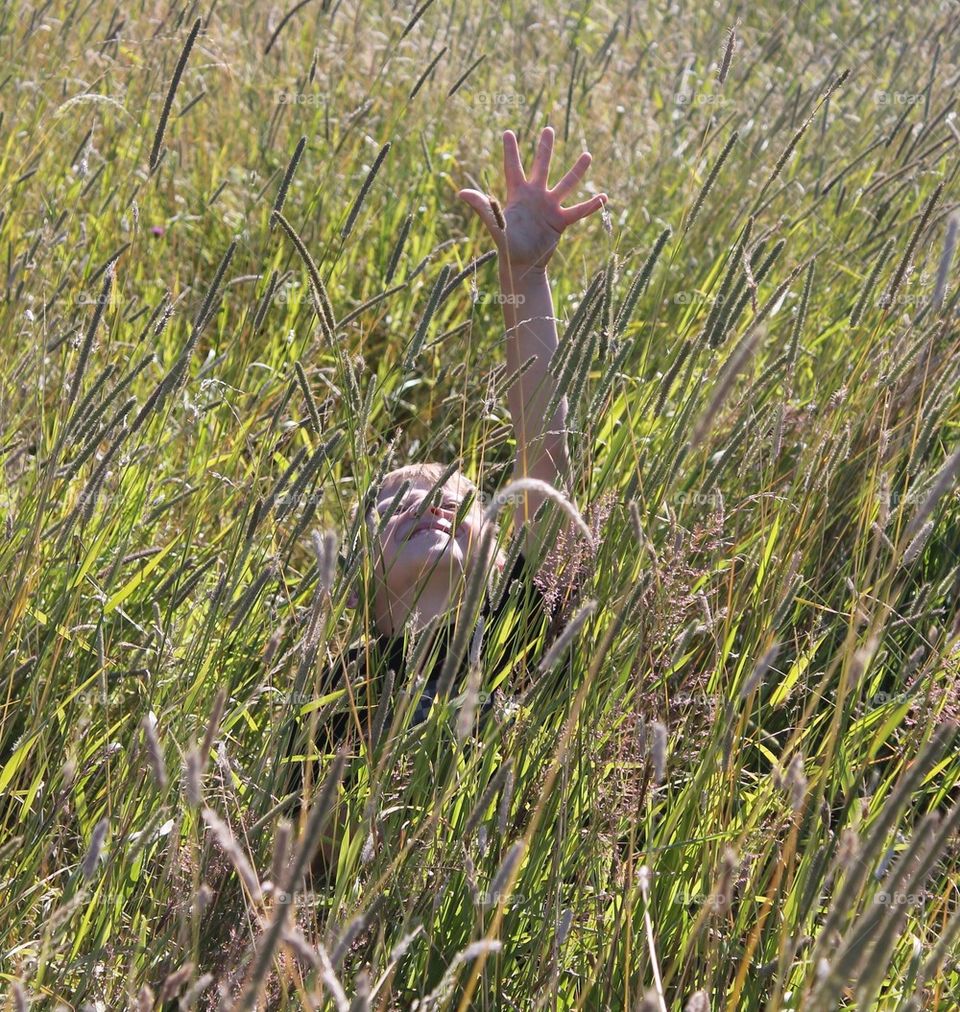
(512, 274)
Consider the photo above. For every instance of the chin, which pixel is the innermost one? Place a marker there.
(439, 558)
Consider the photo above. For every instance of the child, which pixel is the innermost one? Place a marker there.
(421, 563)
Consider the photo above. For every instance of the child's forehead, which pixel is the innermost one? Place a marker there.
(456, 483)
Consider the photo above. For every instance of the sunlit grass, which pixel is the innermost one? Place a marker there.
(765, 446)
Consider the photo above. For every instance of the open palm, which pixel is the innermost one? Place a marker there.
(533, 216)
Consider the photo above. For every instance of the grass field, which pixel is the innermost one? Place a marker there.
(739, 790)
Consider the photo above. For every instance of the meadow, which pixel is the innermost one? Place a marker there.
(239, 286)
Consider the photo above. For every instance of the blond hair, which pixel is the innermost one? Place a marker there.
(431, 470)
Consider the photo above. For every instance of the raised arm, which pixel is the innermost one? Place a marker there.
(534, 222)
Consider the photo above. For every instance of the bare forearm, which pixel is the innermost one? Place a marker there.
(531, 329)
(526, 232)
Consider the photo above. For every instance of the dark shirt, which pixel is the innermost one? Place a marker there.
(509, 646)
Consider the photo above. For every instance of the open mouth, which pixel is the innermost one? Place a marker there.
(434, 526)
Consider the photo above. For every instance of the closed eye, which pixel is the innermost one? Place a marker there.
(420, 506)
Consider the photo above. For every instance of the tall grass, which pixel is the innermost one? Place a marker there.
(732, 783)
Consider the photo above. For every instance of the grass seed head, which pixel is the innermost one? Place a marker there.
(498, 214)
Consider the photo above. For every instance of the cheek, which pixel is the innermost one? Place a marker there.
(467, 524)
(471, 530)
(396, 539)
(386, 546)
(395, 528)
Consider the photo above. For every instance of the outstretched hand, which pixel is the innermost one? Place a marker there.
(533, 216)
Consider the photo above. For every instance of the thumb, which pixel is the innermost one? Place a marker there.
(480, 202)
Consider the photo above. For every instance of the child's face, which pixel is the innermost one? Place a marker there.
(410, 547)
